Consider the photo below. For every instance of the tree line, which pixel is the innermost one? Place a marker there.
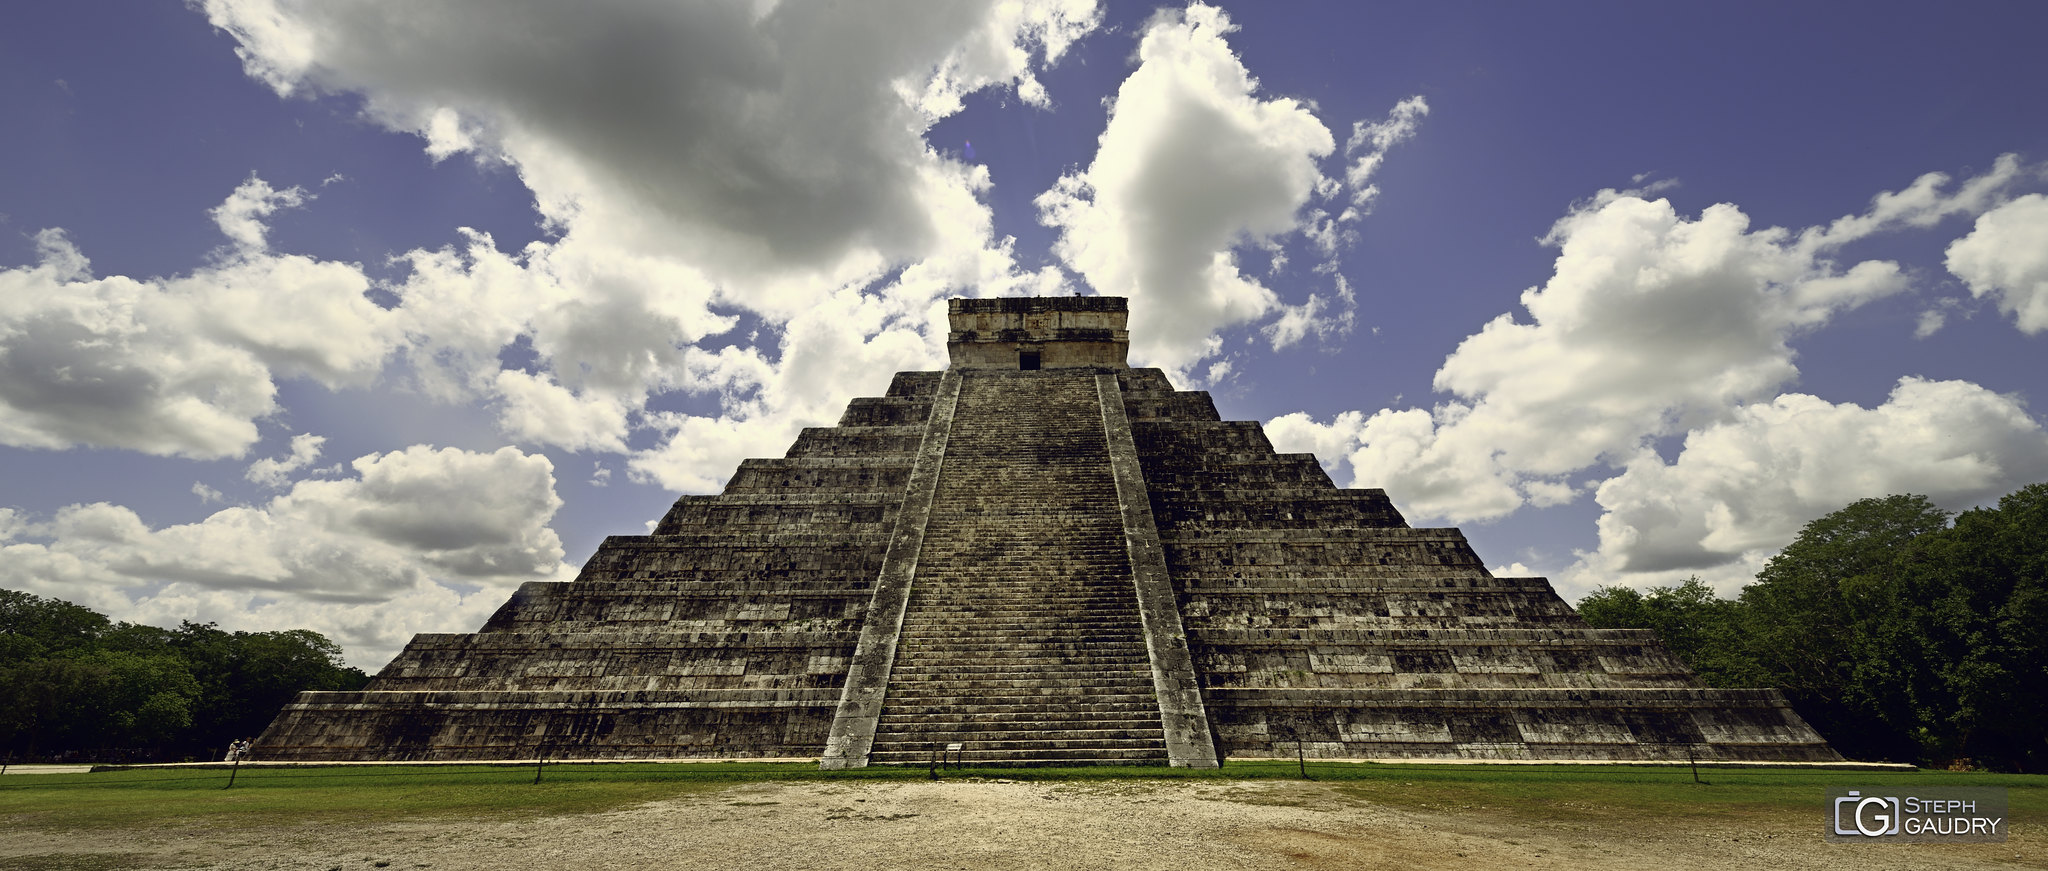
(1899, 631)
(76, 685)
(1896, 629)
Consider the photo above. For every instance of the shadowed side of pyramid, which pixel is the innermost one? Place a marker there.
(1038, 557)
(724, 633)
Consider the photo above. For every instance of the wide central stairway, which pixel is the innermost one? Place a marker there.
(1022, 641)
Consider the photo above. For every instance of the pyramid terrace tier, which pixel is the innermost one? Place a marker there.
(1250, 506)
(1676, 723)
(853, 512)
(737, 553)
(856, 441)
(821, 476)
(615, 658)
(1253, 471)
(818, 601)
(1047, 558)
(1364, 551)
(420, 726)
(1320, 658)
(1391, 603)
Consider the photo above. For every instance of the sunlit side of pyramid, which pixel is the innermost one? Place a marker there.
(1045, 557)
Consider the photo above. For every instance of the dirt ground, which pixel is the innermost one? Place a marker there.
(1003, 825)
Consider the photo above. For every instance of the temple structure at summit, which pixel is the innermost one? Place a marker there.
(1045, 557)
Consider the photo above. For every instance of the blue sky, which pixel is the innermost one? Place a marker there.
(353, 316)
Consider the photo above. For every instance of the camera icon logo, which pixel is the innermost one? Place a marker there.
(1871, 816)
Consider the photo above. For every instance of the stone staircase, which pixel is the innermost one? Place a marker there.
(1022, 640)
(992, 557)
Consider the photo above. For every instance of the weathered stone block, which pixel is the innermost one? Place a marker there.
(1049, 558)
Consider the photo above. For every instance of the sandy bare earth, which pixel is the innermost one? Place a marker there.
(1001, 825)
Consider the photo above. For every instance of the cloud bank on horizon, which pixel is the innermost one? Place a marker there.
(746, 224)
(1658, 326)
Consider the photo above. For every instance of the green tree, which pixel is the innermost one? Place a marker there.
(1980, 591)
(32, 626)
(39, 705)
(70, 680)
(1697, 626)
(1828, 620)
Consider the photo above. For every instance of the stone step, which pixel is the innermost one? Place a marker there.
(1037, 550)
(935, 672)
(1081, 623)
(991, 650)
(1022, 636)
(1023, 666)
(1019, 693)
(993, 724)
(1001, 764)
(948, 603)
(947, 599)
(942, 597)
(931, 686)
(1004, 718)
(1117, 707)
(1035, 544)
(1090, 741)
(1075, 626)
(1083, 620)
(1095, 686)
(957, 604)
(1031, 758)
(1014, 742)
(1039, 633)
(943, 601)
(1074, 615)
(918, 667)
(1027, 654)
(1029, 650)
(999, 571)
(964, 588)
(969, 651)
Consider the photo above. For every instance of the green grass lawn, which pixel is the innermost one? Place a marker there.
(180, 796)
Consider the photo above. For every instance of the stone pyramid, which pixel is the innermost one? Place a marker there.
(1044, 557)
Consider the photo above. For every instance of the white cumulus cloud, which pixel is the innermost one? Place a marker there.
(1193, 163)
(419, 540)
(1743, 487)
(240, 218)
(2005, 257)
(1369, 143)
(276, 471)
(1653, 324)
(760, 143)
(699, 162)
(180, 366)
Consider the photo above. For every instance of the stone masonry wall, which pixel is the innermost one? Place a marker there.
(727, 632)
(1319, 620)
(1021, 590)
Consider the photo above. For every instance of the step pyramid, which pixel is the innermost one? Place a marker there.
(1039, 556)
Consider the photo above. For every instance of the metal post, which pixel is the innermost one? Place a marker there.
(540, 752)
(1690, 760)
(1301, 759)
(237, 769)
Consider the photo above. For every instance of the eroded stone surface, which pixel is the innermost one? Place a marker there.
(967, 548)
